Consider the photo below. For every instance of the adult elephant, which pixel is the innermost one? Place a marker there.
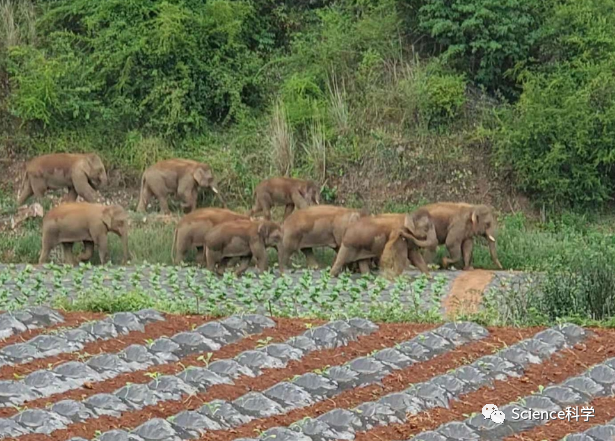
(242, 239)
(81, 174)
(180, 177)
(315, 226)
(192, 229)
(392, 239)
(289, 192)
(457, 224)
(87, 223)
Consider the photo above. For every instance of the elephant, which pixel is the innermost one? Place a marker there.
(192, 228)
(83, 222)
(81, 173)
(241, 239)
(315, 226)
(181, 177)
(390, 238)
(456, 226)
(290, 192)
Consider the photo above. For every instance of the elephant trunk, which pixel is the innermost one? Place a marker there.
(103, 179)
(493, 250)
(430, 241)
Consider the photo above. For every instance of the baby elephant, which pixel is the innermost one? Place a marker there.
(181, 177)
(242, 239)
(82, 174)
(192, 228)
(390, 238)
(290, 192)
(83, 222)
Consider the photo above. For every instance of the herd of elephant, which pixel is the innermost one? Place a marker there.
(225, 238)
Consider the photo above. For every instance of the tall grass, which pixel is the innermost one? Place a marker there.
(17, 23)
(281, 140)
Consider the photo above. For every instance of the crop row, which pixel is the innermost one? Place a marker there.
(210, 336)
(71, 340)
(34, 317)
(192, 379)
(310, 387)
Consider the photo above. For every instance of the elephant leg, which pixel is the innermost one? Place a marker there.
(416, 258)
(48, 245)
(69, 257)
(159, 190)
(288, 210)
(344, 255)
(71, 195)
(88, 251)
(429, 254)
(102, 248)
(200, 255)
(213, 258)
(243, 266)
(364, 266)
(144, 197)
(454, 249)
(310, 258)
(39, 187)
(466, 249)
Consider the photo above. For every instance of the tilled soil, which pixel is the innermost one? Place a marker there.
(71, 320)
(386, 336)
(394, 382)
(561, 366)
(172, 324)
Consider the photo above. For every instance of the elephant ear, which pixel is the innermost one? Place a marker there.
(107, 217)
(202, 176)
(409, 224)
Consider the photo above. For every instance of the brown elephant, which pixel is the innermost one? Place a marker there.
(83, 222)
(290, 192)
(181, 177)
(315, 226)
(241, 239)
(456, 226)
(390, 238)
(82, 174)
(192, 228)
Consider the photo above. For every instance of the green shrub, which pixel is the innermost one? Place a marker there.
(558, 138)
(485, 38)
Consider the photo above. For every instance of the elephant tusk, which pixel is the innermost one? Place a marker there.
(491, 238)
(214, 189)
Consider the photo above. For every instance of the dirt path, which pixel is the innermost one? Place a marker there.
(466, 293)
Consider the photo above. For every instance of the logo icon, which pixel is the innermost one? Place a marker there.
(491, 412)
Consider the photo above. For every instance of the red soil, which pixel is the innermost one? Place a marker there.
(388, 335)
(71, 320)
(604, 411)
(172, 325)
(562, 365)
(394, 382)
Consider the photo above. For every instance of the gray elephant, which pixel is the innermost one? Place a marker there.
(87, 223)
(82, 174)
(180, 177)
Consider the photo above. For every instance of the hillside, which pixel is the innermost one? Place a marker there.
(386, 103)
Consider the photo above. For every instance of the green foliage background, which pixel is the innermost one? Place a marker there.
(319, 87)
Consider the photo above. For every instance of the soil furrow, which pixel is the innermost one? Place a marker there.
(71, 320)
(604, 411)
(285, 328)
(563, 364)
(170, 326)
(396, 381)
(387, 335)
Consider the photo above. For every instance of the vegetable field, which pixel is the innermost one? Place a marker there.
(147, 375)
